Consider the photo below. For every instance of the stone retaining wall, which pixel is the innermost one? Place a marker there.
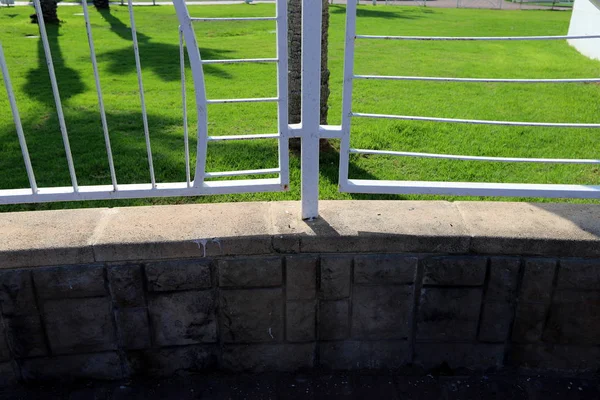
(289, 310)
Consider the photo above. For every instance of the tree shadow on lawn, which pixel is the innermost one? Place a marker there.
(69, 80)
(127, 140)
(162, 58)
(88, 148)
(405, 13)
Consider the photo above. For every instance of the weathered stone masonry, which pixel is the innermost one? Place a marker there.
(289, 312)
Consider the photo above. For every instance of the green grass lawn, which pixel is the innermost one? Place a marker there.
(159, 51)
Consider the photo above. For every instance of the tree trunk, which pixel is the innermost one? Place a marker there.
(101, 4)
(295, 64)
(324, 70)
(49, 11)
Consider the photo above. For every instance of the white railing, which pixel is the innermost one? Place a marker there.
(450, 188)
(308, 130)
(199, 185)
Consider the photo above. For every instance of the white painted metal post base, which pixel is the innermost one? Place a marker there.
(310, 177)
(311, 105)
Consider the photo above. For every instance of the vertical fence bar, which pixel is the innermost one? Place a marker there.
(282, 92)
(17, 120)
(186, 142)
(347, 92)
(199, 90)
(311, 101)
(138, 65)
(56, 93)
(100, 98)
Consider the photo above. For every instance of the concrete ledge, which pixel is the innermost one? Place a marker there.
(84, 236)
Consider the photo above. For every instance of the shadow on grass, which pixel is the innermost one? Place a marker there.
(370, 12)
(38, 83)
(162, 58)
(329, 167)
(127, 139)
(88, 148)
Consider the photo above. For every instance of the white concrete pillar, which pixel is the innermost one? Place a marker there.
(586, 21)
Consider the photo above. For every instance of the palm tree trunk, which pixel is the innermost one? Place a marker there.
(49, 12)
(101, 4)
(324, 70)
(295, 63)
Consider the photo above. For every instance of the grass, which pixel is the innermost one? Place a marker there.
(159, 51)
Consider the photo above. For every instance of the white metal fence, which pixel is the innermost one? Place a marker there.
(199, 185)
(450, 188)
(308, 130)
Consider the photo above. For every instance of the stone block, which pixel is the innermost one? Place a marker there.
(448, 314)
(300, 321)
(301, 277)
(250, 272)
(382, 312)
(454, 271)
(26, 336)
(70, 282)
(174, 244)
(100, 366)
(166, 362)
(178, 275)
(333, 320)
(504, 278)
(496, 321)
(16, 293)
(529, 322)
(183, 317)
(385, 242)
(252, 315)
(4, 349)
(384, 269)
(579, 274)
(335, 277)
(269, 357)
(8, 377)
(80, 325)
(132, 324)
(286, 244)
(363, 355)
(126, 285)
(474, 356)
(538, 276)
(569, 359)
(574, 318)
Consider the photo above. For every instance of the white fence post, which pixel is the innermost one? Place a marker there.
(311, 105)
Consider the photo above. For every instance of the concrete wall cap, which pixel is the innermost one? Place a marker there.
(78, 236)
